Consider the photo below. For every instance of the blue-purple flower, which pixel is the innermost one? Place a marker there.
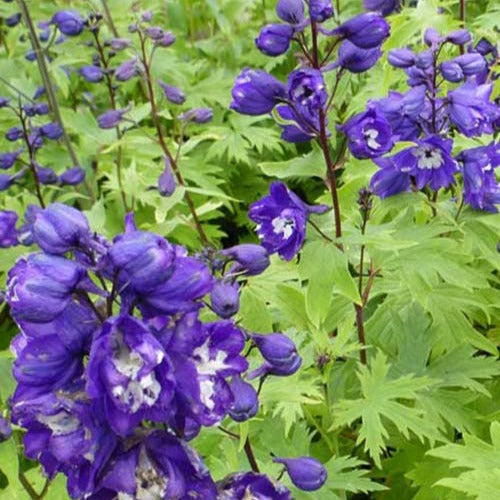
(244, 485)
(290, 11)
(367, 31)
(320, 10)
(274, 39)
(92, 73)
(8, 233)
(281, 217)
(389, 180)
(357, 60)
(306, 473)
(69, 22)
(385, 7)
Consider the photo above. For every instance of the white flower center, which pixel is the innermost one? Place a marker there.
(284, 226)
(61, 423)
(370, 138)
(428, 157)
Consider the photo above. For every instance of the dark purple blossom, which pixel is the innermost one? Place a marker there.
(166, 40)
(367, 31)
(166, 181)
(245, 403)
(111, 118)
(8, 234)
(281, 217)
(451, 71)
(172, 94)
(401, 58)
(274, 39)
(72, 177)
(320, 10)
(14, 134)
(52, 131)
(389, 180)
(5, 429)
(249, 259)
(242, 485)
(225, 299)
(127, 70)
(118, 44)
(471, 64)
(357, 60)
(197, 115)
(7, 160)
(92, 73)
(290, 11)
(46, 175)
(459, 37)
(385, 7)
(155, 32)
(277, 349)
(369, 134)
(256, 92)
(307, 89)
(13, 20)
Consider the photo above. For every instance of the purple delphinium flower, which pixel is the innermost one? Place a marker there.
(481, 189)
(249, 259)
(13, 20)
(306, 473)
(306, 88)
(369, 134)
(245, 403)
(166, 181)
(158, 466)
(451, 71)
(7, 160)
(320, 10)
(69, 22)
(367, 31)
(470, 109)
(401, 58)
(385, 7)
(274, 39)
(239, 486)
(172, 94)
(430, 162)
(459, 37)
(197, 115)
(127, 70)
(279, 352)
(8, 234)
(60, 228)
(225, 299)
(46, 175)
(281, 217)
(52, 131)
(92, 73)
(389, 180)
(111, 118)
(166, 40)
(129, 368)
(14, 134)
(256, 92)
(356, 60)
(290, 11)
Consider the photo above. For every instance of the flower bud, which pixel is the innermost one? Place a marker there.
(38, 93)
(5, 182)
(256, 92)
(166, 181)
(118, 44)
(290, 11)
(471, 64)
(4, 101)
(425, 59)
(14, 134)
(306, 473)
(7, 160)
(110, 119)
(277, 349)
(52, 131)
(401, 58)
(5, 429)
(366, 30)
(451, 71)
(30, 55)
(432, 37)
(357, 60)
(197, 115)
(60, 228)
(8, 235)
(245, 403)
(250, 259)
(69, 22)
(385, 7)
(127, 70)
(225, 298)
(92, 73)
(485, 47)
(147, 16)
(172, 94)
(166, 40)
(13, 20)
(155, 32)
(72, 176)
(459, 37)
(41, 108)
(46, 175)
(274, 39)
(320, 10)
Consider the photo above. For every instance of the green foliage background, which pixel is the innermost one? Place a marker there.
(421, 420)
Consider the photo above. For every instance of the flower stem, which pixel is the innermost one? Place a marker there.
(109, 19)
(163, 144)
(462, 10)
(251, 457)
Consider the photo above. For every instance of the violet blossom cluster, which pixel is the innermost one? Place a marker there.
(117, 371)
(447, 98)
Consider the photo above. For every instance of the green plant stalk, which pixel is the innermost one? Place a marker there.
(109, 18)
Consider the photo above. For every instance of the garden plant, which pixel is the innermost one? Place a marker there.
(249, 249)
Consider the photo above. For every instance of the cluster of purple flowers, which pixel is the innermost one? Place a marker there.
(299, 106)
(116, 371)
(445, 99)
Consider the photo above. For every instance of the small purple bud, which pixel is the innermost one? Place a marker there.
(306, 473)
(14, 134)
(52, 131)
(7, 160)
(35, 139)
(46, 175)
(69, 22)
(155, 32)
(127, 70)
(72, 177)
(166, 40)
(29, 109)
(471, 64)
(277, 349)
(172, 94)
(290, 11)
(225, 298)
(166, 181)
(367, 31)
(30, 55)
(5, 182)
(41, 108)
(110, 119)
(451, 71)
(13, 20)
(92, 73)
(320, 10)
(8, 234)
(5, 429)
(250, 259)
(245, 403)
(197, 115)
(401, 58)
(485, 47)
(432, 37)
(425, 59)
(459, 37)
(132, 28)
(147, 16)
(118, 44)
(274, 39)
(4, 101)
(38, 93)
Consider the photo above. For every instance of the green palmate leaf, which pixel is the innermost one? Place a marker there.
(310, 165)
(481, 480)
(382, 402)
